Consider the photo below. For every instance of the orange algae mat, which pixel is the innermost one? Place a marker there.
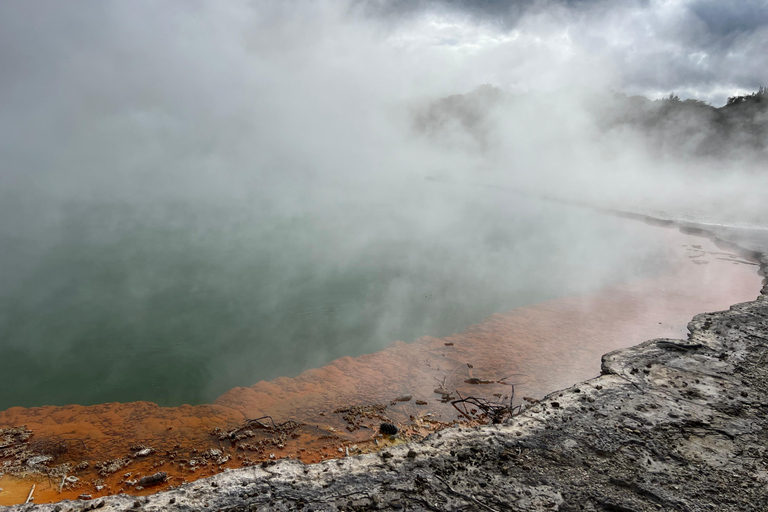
(335, 410)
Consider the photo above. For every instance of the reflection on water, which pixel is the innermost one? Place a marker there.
(536, 348)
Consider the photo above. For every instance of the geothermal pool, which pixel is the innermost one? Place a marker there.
(334, 334)
(178, 303)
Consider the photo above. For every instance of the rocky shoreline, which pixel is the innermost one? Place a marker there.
(668, 425)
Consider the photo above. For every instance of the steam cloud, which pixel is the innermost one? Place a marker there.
(172, 168)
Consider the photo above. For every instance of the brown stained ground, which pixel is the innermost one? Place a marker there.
(536, 349)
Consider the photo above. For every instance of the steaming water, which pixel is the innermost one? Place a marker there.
(178, 301)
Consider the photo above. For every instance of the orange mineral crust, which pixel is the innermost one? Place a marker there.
(336, 410)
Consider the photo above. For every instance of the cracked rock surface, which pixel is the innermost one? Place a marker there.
(669, 425)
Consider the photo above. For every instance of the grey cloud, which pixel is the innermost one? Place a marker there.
(503, 13)
(703, 48)
(730, 19)
(707, 50)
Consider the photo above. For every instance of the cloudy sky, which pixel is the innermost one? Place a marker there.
(706, 49)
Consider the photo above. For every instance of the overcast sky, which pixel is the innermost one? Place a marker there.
(707, 49)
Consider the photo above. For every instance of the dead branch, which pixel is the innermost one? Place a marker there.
(496, 412)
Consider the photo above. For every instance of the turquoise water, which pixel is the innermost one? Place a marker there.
(178, 301)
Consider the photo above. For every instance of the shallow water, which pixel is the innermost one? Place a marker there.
(178, 302)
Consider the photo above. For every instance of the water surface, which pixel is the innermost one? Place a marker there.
(178, 301)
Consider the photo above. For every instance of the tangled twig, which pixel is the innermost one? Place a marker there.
(496, 412)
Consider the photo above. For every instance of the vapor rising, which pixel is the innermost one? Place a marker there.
(199, 195)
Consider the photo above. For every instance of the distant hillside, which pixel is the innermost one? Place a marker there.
(692, 127)
(667, 127)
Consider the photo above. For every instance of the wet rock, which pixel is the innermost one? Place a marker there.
(142, 451)
(156, 479)
(38, 461)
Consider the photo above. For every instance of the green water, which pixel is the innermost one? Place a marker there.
(177, 301)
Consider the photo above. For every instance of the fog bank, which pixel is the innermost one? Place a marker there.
(187, 171)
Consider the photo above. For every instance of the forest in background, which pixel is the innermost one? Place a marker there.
(668, 127)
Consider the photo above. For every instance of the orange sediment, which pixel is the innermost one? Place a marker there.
(536, 349)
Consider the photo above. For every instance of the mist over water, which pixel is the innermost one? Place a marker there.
(179, 304)
(198, 196)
